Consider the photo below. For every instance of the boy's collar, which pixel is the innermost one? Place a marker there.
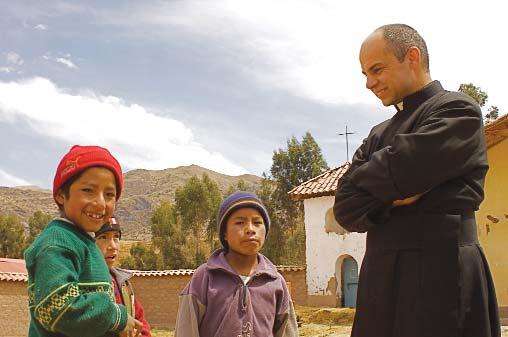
(218, 261)
(92, 234)
(121, 275)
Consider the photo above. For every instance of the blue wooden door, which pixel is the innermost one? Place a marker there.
(350, 279)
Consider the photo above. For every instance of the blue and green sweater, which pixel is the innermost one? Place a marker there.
(69, 286)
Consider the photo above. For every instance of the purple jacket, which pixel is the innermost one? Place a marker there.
(217, 303)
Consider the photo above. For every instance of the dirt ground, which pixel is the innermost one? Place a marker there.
(317, 322)
(307, 330)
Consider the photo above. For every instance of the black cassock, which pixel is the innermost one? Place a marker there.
(424, 272)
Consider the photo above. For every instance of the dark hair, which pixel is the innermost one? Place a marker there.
(400, 37)
(65, 188)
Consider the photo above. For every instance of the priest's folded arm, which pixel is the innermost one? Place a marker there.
(443, 147)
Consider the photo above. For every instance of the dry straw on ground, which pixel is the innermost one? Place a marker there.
(318, 322)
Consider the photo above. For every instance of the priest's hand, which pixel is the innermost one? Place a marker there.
(407, 201)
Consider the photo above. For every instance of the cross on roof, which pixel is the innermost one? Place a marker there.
(347, 142)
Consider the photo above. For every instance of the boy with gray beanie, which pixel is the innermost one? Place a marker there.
(238, 291)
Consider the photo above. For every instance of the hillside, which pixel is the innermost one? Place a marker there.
(143, 190)
(23, 201)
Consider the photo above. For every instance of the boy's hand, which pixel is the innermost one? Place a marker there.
(132, 329)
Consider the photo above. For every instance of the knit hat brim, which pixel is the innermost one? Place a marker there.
(80, 158)
(110, 226)
(234, 202)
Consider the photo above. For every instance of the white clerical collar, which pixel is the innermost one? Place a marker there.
(399, 106)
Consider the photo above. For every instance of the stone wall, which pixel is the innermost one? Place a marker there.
(14, 309)
(157, 291)
(159, 294)
(159, 297)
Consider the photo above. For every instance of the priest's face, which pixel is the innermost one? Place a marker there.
(388, 78)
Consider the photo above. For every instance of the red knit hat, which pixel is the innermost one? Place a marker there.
(80, 158)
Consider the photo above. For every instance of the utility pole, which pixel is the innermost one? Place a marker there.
(347, 142)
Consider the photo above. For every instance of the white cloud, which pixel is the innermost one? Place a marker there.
(67, 62)
(310, 48)
(14, 58)
(6, 70)
(41, 26)
(139, 138)
(65, 59)
(9, 180)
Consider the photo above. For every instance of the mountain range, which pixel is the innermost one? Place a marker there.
(143, 191)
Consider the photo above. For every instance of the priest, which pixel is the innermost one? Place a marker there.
(413, 186)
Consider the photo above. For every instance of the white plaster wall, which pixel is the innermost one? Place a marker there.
(324, 249)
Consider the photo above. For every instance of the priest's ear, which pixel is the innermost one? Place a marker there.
(414, 57)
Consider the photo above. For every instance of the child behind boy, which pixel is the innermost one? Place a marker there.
(108, 239)
(238, 292)
(69, 287)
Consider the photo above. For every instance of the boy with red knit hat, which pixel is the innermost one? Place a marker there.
(69, 287)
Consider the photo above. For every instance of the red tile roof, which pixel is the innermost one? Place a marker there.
(496, 131)
(189, 272)
(175, 272)
(12, 265)
(9, 276)
(13, 270)
(323, 184)
(290, 268)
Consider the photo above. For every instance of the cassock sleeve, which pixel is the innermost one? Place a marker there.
(356, 209)
(444, 146)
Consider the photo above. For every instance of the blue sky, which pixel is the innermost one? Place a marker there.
(220, 84)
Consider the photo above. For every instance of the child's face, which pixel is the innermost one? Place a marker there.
(91, 201)
(109, 245)
(245, 231)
